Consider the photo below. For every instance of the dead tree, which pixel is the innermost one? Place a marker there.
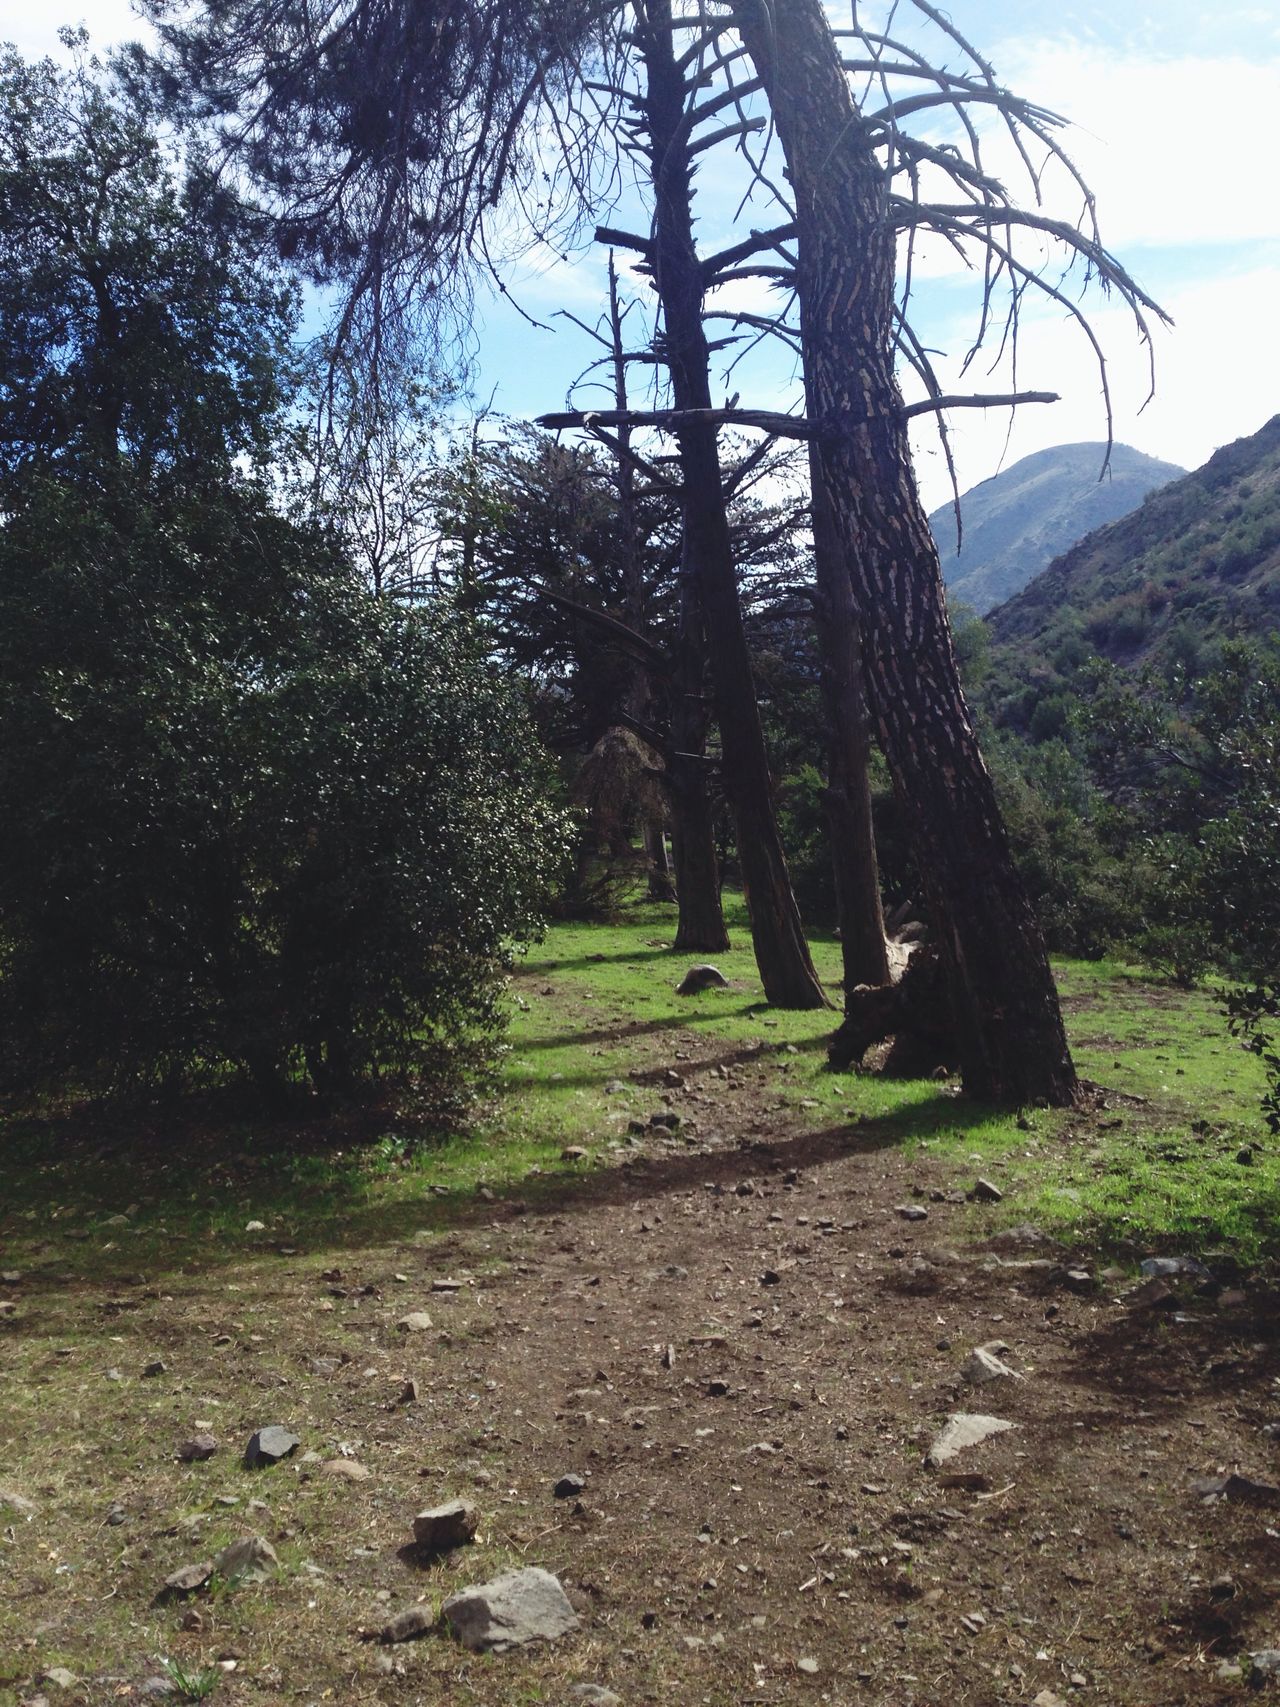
(461, 110)
(841, 165)
(667, 117)
(700, 926)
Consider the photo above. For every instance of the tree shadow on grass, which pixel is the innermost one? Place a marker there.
(305, 1181)
(632, 1028)
(557, 964)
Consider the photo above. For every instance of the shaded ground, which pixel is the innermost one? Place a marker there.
(733, 1335)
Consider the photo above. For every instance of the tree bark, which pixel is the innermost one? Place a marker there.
(782, 953)
(848, 800)
(701, 928)
(661, 883)
(1012, 1042)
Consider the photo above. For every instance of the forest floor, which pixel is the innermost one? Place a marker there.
(726, 1327)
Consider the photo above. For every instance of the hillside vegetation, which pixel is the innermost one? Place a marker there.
(1198, 563)
(1016, 523)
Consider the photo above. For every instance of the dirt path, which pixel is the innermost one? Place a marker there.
(736, 1339)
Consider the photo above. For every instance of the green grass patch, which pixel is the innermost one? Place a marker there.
(591, 1005)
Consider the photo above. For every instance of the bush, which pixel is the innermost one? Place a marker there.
(254, 817)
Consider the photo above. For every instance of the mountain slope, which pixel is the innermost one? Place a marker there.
(1198, 562)
(1024, 517)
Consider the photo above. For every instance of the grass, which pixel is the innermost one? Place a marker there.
(590, 1004)
(132, 1235)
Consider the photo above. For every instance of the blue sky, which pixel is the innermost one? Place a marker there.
(1174, 112)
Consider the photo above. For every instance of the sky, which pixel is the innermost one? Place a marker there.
(1172, 113)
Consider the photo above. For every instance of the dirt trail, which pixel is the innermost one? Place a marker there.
(744, 1348)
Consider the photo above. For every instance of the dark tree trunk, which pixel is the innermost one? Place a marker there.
(782, 953)
(1013, 1046)
(701, 928)
(661, 883)
(848, 801)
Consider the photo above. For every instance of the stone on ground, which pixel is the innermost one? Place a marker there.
(197, 1449)
(252, 1559)
(518, 1607)
(699, 978)
(416, 1322)
(593, 1695)
(983, 1365)
(269, 1446)
(446, 1526)
(408, 1626)
(187, 1580)
(963, 1429)
(345, 1469)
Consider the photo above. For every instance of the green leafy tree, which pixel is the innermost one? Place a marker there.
(256, 818)
(136, 326)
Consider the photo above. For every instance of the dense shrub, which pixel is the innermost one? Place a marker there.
(254, 817)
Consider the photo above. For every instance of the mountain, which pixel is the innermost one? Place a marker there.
(1025, 516)
(1198, 562)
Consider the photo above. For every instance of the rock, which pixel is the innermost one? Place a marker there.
(985, 1192)
(912, 1211)
(446, 1526)
(983, 1365)
(963, 1429)
(520, 1606)
(446, 1283)
(573, 1153)
(569, 1487)
(60, 1677)
(188, 1580)
(1243, 1490)
(593, 1695)
(1171, 1268)
(1079, 1280)
(255, 1226)
(1152, 1295)
(154, 1368)
(416, 1322)
(252, 1559)
(269, 1446)
(809, 1667)
(700, 978)
(408, 1626)
(1047, 1698)
(345, 1469)
(197, 1449)
(1265, 1662)
(157, 1688)
(665, 1117)
(408, 1394)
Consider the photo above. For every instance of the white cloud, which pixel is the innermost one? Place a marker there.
(1207, 391)
(34, 31)
(1177, 150)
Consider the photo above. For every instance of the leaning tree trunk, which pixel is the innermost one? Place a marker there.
(782, 953)
(1012, 1043)
(848, 801)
